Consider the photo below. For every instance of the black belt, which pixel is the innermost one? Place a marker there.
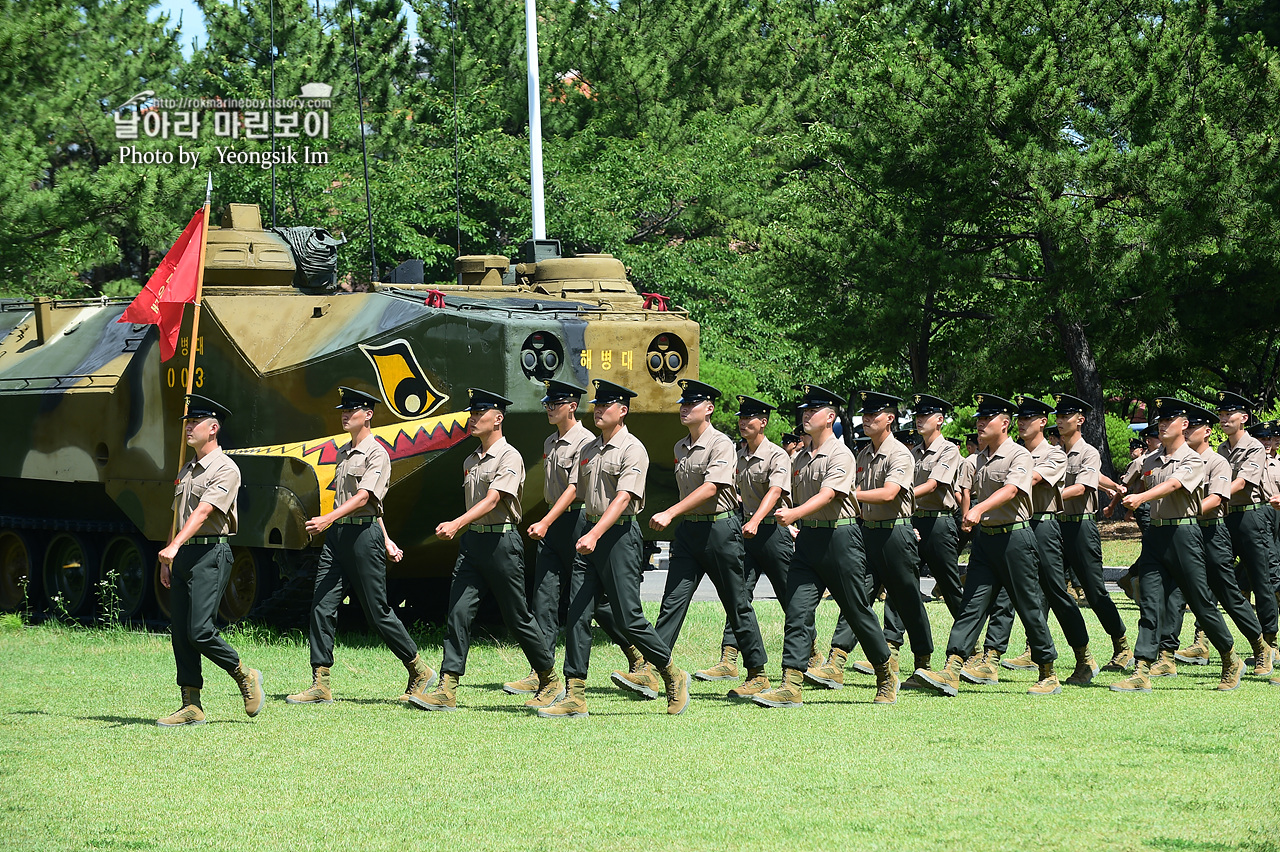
(1172, 522)
(1248, 507)
(491, 528)
(622, 519)
(884, 525)
(358, 520)
(1008, 528)
(207, 539)
(829, 525)
(1071, 519)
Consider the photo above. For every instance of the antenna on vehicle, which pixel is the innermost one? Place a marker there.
(457, 143)
(535, 119)
(273, 108)
(364, 150)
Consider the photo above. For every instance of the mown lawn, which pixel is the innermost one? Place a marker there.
(82, 765)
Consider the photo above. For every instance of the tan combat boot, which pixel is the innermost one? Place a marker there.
(984, 669)
(1139, 681)
(1263, 664)
(1232, 669)
(1048, 682)
(1271, 639)
(726, 669)
(865, 667)
(947, 679)
(640, 679)
(1197, 653)
(1086, 668)
(1022, 662)
(787, 694)
(443, 697)
(922, 661)
(421, 678)
(676, 681)
(1164, 666)
(1275, 681)
(549, 689)
(1121, 657)
(815, 657)
(190, 713)
(831, 673)
(757, 682)
(318, 693)
(250, 683)
(571, 704)
(526, 685)
(886, 685)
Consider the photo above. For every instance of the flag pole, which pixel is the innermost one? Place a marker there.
(195, 337)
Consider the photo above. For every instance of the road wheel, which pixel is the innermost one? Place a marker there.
(70, 573)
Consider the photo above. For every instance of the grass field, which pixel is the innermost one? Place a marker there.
(82, 765)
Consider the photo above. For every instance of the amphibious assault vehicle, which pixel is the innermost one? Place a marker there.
(91, 414)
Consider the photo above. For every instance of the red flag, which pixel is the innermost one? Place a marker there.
(171, 286)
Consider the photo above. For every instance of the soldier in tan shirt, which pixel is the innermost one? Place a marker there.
(1215, 493)
(1050, 464)
(611, 479)
(1004, 553)
(1247, 519)
(709, 539)
(558, 530)
(828, 554)
(938, 464)
(490, 557)
(763, 478)
(1172, 549)
(354, 555)
(196, 564)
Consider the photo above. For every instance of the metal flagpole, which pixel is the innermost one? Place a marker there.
(535, 119)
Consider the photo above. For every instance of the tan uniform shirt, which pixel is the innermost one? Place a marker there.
(894, 463)
(939, 461)
(1051, 463)
(1084, 465)
(1008, 464)
(711, 458)
(363, 467)
(1273, 477)
(1184, 465)
(215, 480)
(964, 476)
(560, 457)
(768, 467)
(1248, 460)
(499, 469)
(829, 466)
(606, 469)
(1217, 480)
(1133, 474)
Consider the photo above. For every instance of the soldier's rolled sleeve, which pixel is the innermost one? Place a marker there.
(780, 473)
(1052, 468)
(221, 488)
(1020, 476)
(376, 477)
(722, 463)
(1253, 466)
(507, 479)
(901, 474)
(635, 468)
(838, 476)
(1189, 472)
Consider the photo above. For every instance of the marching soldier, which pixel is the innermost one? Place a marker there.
(355, 553)
(828, 554)
(1082, 542)
(1048, 472)
(196, 564)
(611, 479)
(490, 555)
(937, 465)
(1215, 493)
(1247, 518)
(557, 531)
(763, 478)
(1173, 550)
(1004, 554)
(709, 539)
(791, 444)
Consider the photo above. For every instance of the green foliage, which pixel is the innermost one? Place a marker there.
(1118, 437)
(732, 381)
